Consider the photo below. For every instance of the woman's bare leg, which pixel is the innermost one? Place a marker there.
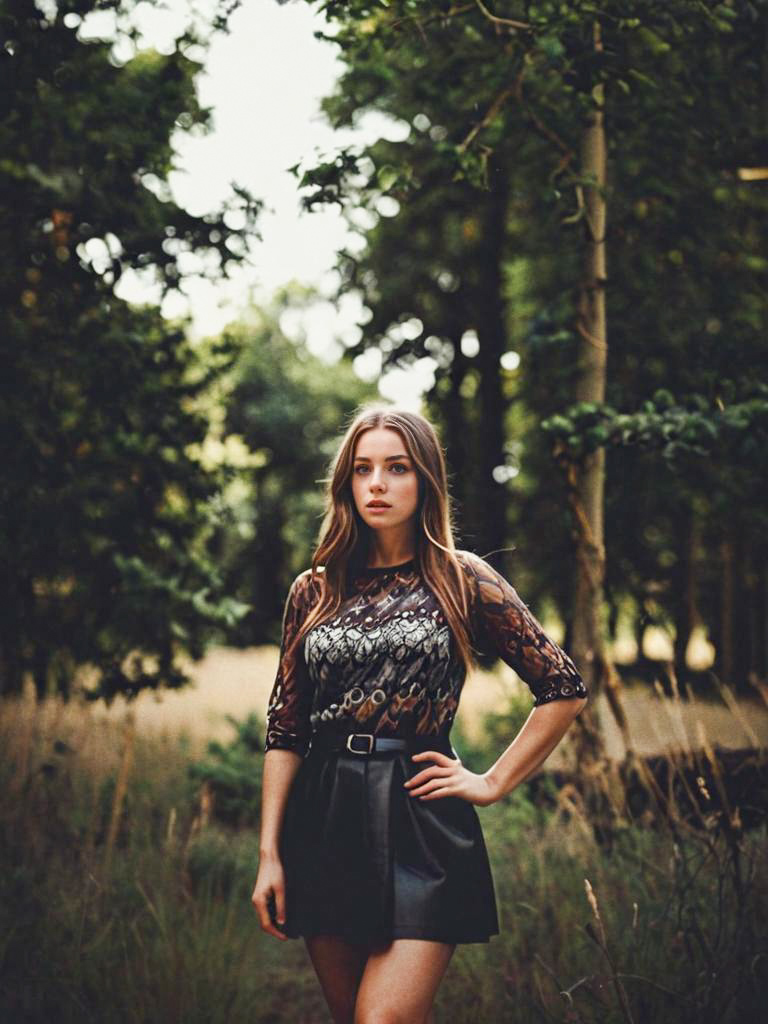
(339, 966)
(400, 981)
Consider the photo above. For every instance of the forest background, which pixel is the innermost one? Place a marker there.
(570, 239)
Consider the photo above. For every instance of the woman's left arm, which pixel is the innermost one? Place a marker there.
(506, 625)
(502, 623)
(543, 729)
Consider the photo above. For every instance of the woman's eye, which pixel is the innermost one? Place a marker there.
(395, 465)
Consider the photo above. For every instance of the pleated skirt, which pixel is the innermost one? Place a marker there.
(366, 861)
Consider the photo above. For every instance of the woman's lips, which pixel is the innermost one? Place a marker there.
(378, 508)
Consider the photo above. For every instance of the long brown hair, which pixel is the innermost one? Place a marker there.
(344, 537)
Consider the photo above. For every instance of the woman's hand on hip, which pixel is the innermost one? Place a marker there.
(448, 777)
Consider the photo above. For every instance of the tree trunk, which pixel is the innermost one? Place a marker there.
(759, 674)
(456, 437)
(684, 591)
(490, 321)
(725, 644)
(742, 629)
(587, 485)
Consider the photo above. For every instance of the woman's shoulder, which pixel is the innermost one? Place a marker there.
(306, 585)
(466, 558)
(473, 565)
(474, 569)
(486, 582)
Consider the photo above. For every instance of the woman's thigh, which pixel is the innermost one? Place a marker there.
(400, 981)
(339, 967)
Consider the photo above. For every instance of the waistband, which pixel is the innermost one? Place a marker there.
(365, 743)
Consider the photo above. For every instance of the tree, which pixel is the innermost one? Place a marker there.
(288, 408)
(104, 508)
(543, 77)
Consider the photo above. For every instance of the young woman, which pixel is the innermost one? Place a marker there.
(370, 846)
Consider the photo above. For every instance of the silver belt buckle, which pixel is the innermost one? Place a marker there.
(366, 735)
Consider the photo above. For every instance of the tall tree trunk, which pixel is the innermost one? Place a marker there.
(743, 608)
(490, 319)
(587, 485)
(736, 640)
(684, 590)
(725, 645)
(456, 440)
(759, 674)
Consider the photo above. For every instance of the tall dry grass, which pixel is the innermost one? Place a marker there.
(128, 859)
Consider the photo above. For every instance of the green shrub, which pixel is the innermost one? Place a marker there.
(233, 773)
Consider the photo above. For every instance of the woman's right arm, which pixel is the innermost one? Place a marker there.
(280, 768)
(287, 741)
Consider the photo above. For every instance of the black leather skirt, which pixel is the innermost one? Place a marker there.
(365, 860)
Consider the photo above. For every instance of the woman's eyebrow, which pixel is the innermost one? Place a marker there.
(364, 458)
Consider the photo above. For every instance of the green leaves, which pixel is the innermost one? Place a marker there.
(675, 430)
(387, 177)
(105, 515)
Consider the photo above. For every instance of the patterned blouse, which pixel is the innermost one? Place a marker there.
(386, 663)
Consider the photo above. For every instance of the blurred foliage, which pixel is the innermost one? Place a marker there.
(233, 773)
(471, 211)
(104, 511)
(159, 496)
(288, 407)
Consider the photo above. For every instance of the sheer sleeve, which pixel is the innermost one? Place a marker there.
(290, 702)
(504, 624)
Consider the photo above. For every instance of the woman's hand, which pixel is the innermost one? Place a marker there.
(270, 890)
(449, 777)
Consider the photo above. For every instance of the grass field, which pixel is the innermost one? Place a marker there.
(126, 895)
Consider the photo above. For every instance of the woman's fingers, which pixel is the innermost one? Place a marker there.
(261, 900)
(280, 905)
(437, 794)
(429, 779)
(429, 773)
(453, 780)
(433, 755)
(443, 766)
(431, 786)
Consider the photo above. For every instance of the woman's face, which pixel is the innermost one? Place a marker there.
(383, 472)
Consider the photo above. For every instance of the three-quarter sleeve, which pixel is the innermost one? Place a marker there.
(502, 623)
(290, 703)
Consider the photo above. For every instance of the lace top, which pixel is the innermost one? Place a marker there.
(386, 663)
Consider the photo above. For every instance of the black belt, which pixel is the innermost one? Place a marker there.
(366, 743)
